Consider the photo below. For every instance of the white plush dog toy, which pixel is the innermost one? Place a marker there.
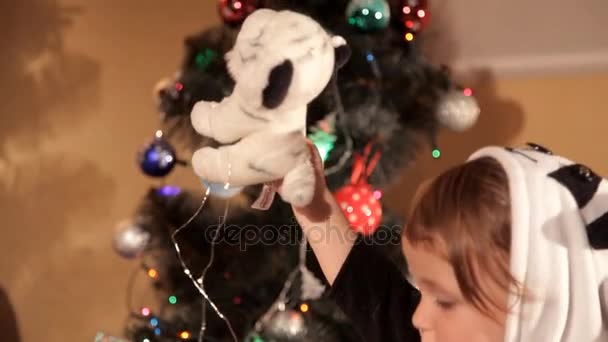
(280, 62)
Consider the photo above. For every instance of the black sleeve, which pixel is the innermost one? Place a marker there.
(375, 296)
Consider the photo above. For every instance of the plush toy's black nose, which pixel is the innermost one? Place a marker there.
(279, 81)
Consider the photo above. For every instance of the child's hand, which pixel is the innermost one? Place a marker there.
(319, 208)
(322, 217)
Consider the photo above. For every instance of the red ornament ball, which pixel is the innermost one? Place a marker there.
(234, 12)
(361, 206)
(414, 15)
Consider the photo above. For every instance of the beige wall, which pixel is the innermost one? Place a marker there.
(73, 114)
(566, 114)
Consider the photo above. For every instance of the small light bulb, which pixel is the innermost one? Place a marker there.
(468, 92)
(365, 11)
(184, 335)
(409, 37)
(145, 311)
(407, 10)
(304, 307)
(436, 153)
(421, 13)
(152, 273)
(237, 5)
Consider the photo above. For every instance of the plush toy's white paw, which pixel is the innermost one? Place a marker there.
(299, 185)
(209, 165)
(200, 117)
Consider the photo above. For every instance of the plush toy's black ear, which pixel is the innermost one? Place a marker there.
(279, 81)
(342, 51)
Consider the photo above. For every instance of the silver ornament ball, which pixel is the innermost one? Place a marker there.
(130, 240)
(288, 324)
(458, 111)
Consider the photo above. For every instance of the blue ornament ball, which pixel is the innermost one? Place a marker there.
(158, 158)
(219, 190)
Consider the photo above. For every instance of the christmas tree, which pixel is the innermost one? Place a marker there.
(367, 125)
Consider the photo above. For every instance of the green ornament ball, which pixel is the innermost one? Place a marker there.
(324, 142)
(368, 15)
(254, 337)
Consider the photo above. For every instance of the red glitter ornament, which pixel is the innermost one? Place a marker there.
(359, 201)
(234, 12)
(414, 15)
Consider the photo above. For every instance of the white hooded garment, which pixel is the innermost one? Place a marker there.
(559, 247)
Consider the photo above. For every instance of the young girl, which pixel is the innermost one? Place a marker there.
(510, 246)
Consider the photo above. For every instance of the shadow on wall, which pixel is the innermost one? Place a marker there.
(38, 74)
(8, 321)
(38, 203)
(500, 121)
(47, 90)
(40, 207)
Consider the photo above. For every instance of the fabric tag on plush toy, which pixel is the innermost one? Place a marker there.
(266, 197)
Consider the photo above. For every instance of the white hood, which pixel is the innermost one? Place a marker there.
(559, 247)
